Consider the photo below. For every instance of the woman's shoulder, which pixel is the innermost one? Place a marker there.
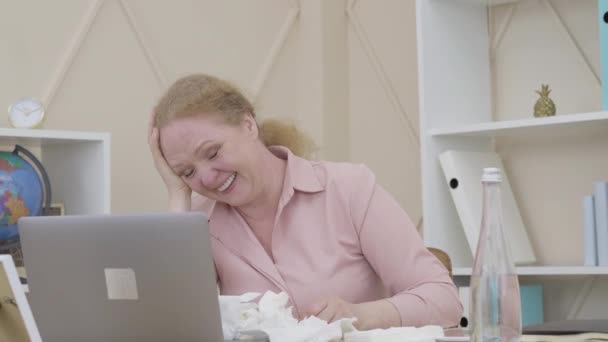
(343, 173)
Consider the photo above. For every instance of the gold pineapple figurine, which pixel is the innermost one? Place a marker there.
(544, 105)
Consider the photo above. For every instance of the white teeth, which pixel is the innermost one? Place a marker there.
(227, 183)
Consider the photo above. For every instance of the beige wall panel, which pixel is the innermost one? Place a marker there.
(391, 29)
(278, 96)
(226, 38)
(549, 180)
(379, 136)
(110, 87)
(33, 42)
(535, 50)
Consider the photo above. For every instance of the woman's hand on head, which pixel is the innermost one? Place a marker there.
(178, 190)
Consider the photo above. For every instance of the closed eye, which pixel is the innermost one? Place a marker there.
(214, 153)
(188, 173)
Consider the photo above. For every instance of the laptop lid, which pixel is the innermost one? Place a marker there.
(121, 278)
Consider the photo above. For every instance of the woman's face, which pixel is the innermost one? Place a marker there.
(215, 159)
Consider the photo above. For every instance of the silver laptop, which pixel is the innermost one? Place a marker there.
(121, 278)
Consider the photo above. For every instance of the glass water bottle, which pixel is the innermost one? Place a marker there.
(495, 301)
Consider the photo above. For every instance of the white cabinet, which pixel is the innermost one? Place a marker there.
(455, 87)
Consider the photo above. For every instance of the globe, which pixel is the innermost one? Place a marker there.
(23, 192)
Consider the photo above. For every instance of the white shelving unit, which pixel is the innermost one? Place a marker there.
(455, 90)
(455, 107)
(546, 271)
(77, 163)
(456, 112)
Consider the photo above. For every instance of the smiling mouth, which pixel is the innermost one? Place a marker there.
(227, 183)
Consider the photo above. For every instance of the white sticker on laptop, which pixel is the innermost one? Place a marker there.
(121, 284)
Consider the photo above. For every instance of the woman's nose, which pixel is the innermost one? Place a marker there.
(208, 177)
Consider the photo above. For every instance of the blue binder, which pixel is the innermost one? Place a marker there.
(589, 228)
(602, 6)
(531, 304)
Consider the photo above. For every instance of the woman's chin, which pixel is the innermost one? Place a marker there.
(235, 200)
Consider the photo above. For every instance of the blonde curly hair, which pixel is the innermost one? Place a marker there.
(200, 94)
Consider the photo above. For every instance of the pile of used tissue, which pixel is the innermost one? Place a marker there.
(242, 318)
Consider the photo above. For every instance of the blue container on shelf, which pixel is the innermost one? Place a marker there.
(602, 6)
(532, 308)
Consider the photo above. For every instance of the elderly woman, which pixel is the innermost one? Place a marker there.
(325, 233)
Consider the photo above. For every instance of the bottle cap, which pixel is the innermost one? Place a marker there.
(491, 174)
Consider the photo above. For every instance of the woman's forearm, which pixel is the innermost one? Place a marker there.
(180, 202)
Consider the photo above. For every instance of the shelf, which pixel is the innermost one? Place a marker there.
(546, 270)
(43, 137)
(555, 126)
(489, 2)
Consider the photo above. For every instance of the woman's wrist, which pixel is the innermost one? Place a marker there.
(180, 201)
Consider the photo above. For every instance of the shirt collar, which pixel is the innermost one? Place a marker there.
(300, 173)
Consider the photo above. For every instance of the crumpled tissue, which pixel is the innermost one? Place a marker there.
(231, 312)
(242, 318)
(272, 316)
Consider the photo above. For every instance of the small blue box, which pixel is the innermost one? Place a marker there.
(531, 304)
(602, 6)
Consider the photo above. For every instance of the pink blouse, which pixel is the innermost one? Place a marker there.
(339, 234)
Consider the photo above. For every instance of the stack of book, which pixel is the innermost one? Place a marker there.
(595, 220)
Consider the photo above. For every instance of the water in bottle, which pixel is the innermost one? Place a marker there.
(495, 301)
